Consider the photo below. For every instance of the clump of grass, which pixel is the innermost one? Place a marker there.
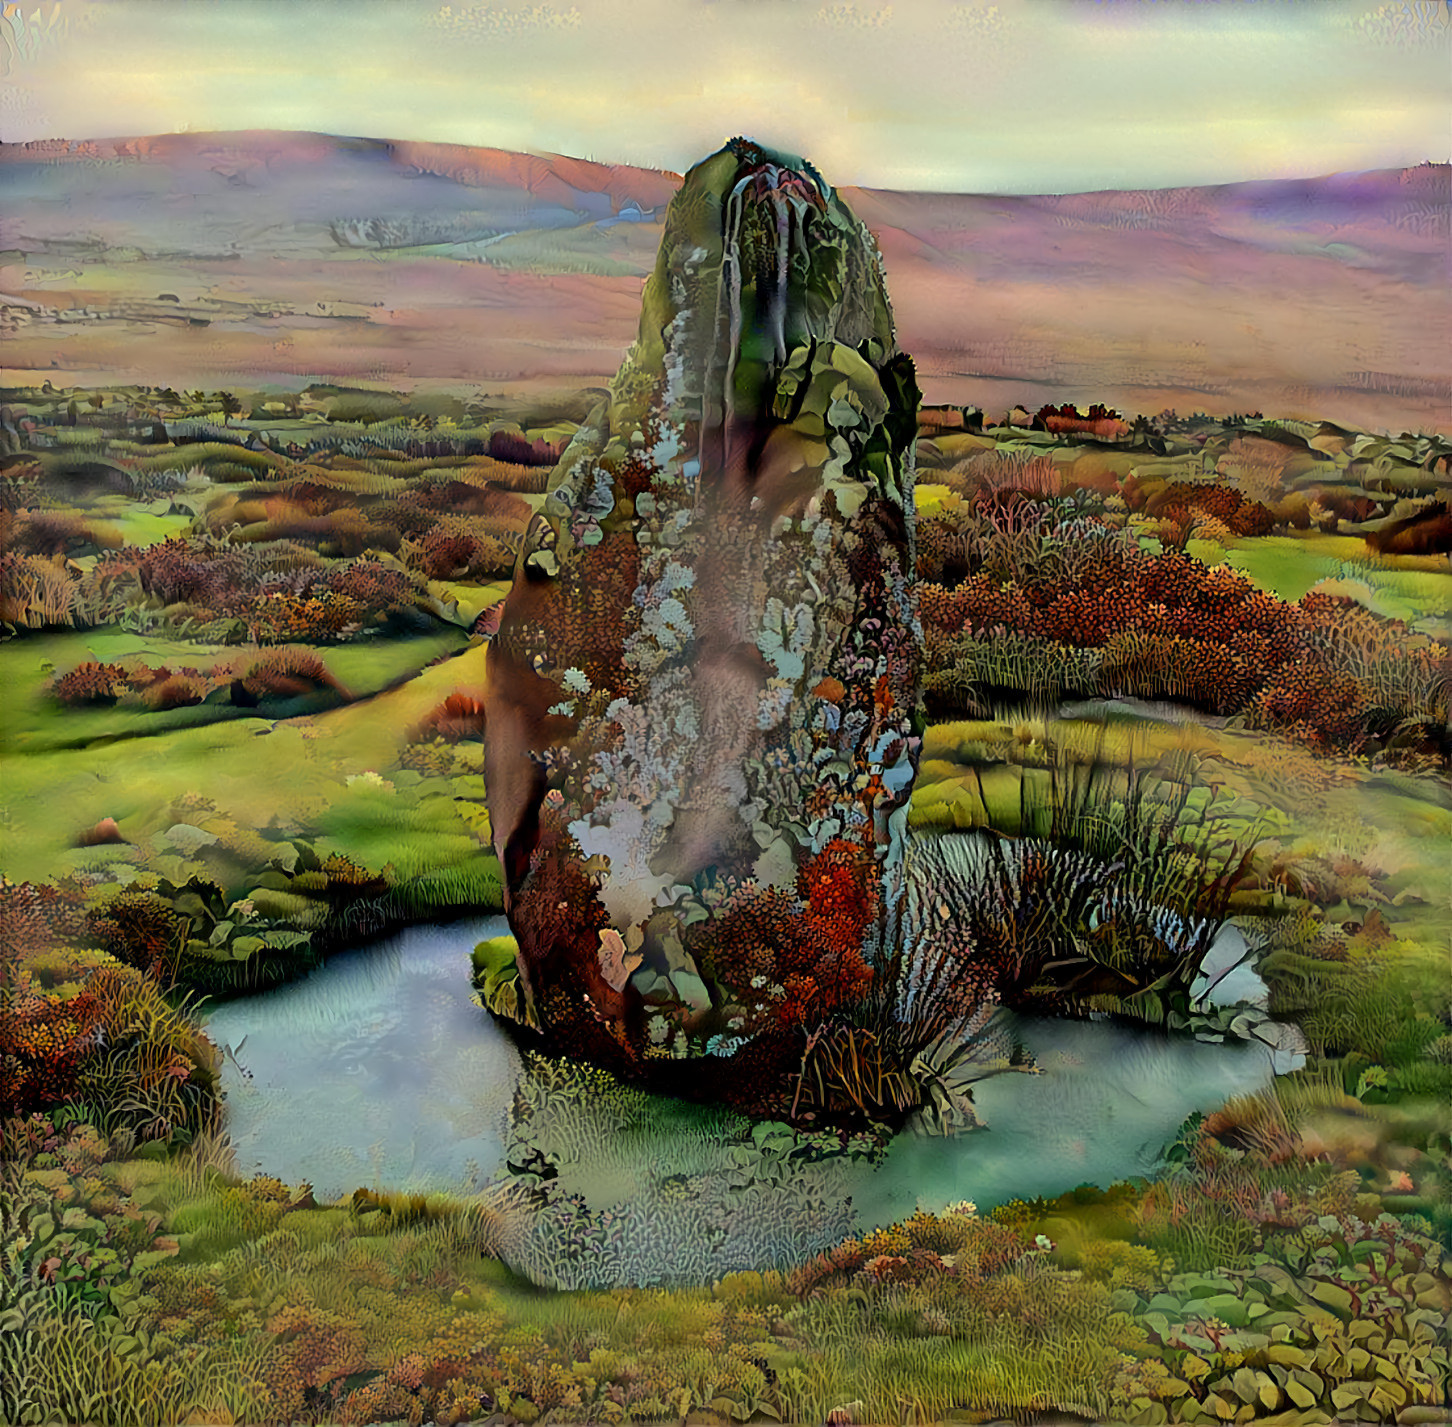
(99, 1375)
(913, 1040)
(39, 593)
(1108, 899)
(138, 1061)
(153, 1071)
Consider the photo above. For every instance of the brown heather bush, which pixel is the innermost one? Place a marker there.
(90, 684)
(1185, 501)
(175, 691)
(1325, 670)
(287, 673)
(459, 717)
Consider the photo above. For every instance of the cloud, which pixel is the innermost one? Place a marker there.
(1016, 95)
(492, 22)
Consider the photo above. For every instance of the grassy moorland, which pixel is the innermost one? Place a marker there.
(1208, 659)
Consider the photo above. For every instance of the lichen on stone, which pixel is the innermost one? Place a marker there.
(706, 672)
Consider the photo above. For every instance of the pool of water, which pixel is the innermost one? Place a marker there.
(379, 1070)
(376, 1069)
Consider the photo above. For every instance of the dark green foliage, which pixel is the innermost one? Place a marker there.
(189, 936)
(1341, 1315)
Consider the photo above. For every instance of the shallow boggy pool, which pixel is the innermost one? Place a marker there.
(379, 1070)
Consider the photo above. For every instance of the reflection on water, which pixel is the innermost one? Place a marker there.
(378, 1069)
(1108, 1099)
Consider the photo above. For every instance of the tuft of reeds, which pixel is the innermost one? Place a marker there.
(1108, 898)
(912, 1041)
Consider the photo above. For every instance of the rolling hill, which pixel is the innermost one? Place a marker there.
(279, 258)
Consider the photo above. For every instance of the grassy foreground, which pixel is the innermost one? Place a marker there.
(241, 728)
(1222, 1292)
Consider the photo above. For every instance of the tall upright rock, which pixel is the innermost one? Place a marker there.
(702, 696)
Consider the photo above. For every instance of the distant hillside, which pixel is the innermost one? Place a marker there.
(213, 195)
(196, 258)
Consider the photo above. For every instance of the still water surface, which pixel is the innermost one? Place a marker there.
(378, 1069)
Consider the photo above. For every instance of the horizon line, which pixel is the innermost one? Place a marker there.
(548, 155)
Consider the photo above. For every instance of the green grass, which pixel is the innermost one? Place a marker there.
(469, 599)
(413, 1279)
(183, 458)
(966, 760)
(270, 788)
(143, 524)
(240, 1276)
(291, 777)
(1398, 588)
(32, 721)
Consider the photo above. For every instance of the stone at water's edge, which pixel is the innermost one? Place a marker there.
(702, 696)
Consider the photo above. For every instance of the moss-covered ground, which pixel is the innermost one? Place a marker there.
(240, 728)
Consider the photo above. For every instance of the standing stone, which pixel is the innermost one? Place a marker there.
(702, 696)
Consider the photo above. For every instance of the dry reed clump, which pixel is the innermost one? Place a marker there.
(996, 473)
(37, 592)
(1403, 677)
(278, 591)
(1255, 467)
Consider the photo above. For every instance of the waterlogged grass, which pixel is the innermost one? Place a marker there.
(1345, 896)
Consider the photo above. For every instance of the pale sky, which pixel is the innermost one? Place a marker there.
(1017, 96)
